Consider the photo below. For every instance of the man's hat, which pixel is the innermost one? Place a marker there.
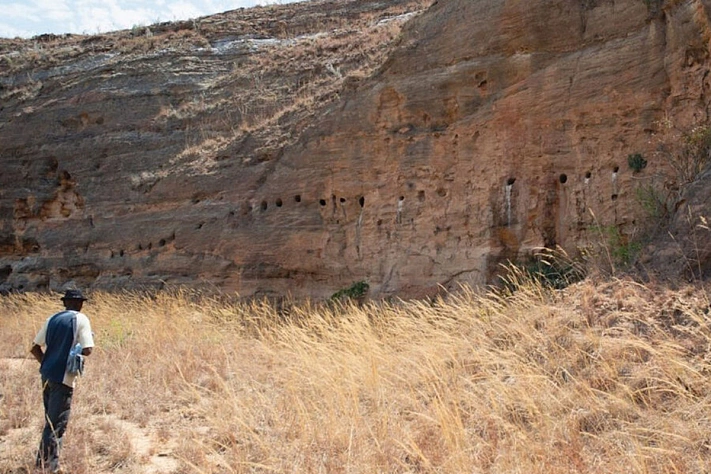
(73, 295)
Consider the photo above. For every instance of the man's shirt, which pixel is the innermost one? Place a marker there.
(57, 334)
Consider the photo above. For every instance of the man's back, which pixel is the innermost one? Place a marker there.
(59, 333)
(59, 340)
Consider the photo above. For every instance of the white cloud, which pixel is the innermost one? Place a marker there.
(180, 11)
(20, 11)
(10, 31)
(54, 10)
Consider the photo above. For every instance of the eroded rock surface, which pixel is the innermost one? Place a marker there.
(272, 151)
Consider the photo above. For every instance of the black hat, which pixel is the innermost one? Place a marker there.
(73, 295)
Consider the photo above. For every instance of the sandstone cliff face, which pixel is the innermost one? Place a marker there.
(494, 127)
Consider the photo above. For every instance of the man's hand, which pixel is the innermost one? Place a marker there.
(37, 352)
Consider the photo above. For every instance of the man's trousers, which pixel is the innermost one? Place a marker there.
(57, 399)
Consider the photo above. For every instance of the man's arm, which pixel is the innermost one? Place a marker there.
(84, 334)
(37, 352)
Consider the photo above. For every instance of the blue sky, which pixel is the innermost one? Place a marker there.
(27, 18)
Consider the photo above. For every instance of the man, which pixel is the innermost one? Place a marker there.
(59, 334)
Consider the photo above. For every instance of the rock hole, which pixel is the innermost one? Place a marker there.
(361, 201)
(263, 206)
(322, 202)
(380, 222)
(150, 245)
(297, 198)
(510, 181)
(421, 196)
(161, 243)
(52, 164)
(614, 197)
(588, 175)
(199, 226)
(279, 203)
(121, 253)
(563, 178)
(615, 169)
(441, 192)
(343, 200)
(5, 272)
(401, 198)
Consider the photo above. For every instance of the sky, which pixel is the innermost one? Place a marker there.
(27, 18)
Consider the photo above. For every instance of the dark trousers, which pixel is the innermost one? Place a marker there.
(57, 399)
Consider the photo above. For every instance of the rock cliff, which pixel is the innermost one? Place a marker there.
(298, 149)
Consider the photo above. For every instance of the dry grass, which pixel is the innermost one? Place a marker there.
(601, 377)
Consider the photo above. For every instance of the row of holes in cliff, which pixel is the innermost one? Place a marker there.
(139, 247)
(264, 205)
(563, 179)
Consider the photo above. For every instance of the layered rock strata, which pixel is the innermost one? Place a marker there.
(493, 128)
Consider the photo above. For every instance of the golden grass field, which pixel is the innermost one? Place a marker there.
(603, 377)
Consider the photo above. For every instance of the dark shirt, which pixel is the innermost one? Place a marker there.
(59, 341)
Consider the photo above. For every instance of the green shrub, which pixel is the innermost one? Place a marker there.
(356, 291)
(636, 162)
(550, 268)
(657, 203)
(621, 250)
